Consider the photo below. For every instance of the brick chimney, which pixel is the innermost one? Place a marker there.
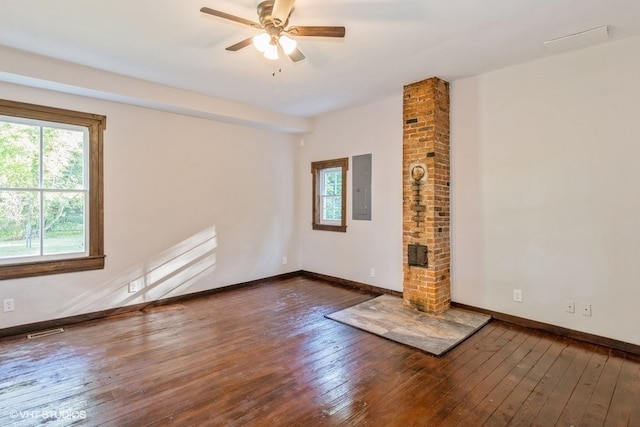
(426, 214)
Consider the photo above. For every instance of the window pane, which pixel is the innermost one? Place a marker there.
(19, 155)
(63, 158)
(332, 182)
(332, 208)
(64, 226)
(19, 219)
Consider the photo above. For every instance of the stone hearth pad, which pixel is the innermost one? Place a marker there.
(387, 317)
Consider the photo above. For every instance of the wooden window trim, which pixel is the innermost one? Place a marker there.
(316, 167)
(96, 124)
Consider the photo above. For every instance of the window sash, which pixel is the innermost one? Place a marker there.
(43, 190)
(331, 196)
(36, 233)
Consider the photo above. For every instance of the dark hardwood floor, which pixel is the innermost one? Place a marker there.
(265, 355)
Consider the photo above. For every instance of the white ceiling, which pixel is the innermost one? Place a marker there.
(388, 43)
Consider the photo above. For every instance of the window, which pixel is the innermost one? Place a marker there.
(51, 218)
(330, 194)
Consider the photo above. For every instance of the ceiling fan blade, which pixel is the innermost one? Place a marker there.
(234, 18)
(281, 11)
(296, 55)
(240, 45)
(317, 31)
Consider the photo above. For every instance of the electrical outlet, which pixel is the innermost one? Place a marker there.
(373, 272)
(570, 306)
(517, 295)
(284, 260)
(586, 309)
(8, 305)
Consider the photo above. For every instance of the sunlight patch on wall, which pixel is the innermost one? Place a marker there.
(169, 273)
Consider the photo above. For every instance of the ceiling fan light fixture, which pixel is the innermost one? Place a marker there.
(261, 42)
(288, 44)
(273, 20)
(271, 52)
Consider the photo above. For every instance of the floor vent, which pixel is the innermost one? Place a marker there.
(45, 333)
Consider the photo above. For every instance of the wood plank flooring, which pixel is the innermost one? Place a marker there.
(266, 355)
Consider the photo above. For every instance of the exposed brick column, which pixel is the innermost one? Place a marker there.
(426, 213)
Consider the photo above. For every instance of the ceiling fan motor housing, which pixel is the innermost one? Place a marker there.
(265, 10)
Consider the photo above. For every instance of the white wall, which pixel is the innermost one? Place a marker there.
(544, 189)
(172, 183)
(376, 129)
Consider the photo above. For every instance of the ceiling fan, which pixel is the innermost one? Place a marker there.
(273, 17)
